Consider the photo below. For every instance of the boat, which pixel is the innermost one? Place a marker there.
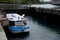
(17, 23)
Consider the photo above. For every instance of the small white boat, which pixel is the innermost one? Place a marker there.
(17, 23)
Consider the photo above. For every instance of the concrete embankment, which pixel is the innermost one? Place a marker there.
(2, 33)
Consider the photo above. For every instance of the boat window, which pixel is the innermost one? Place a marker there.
(19, 23)
(11, 23)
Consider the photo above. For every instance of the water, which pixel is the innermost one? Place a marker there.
(39, 30)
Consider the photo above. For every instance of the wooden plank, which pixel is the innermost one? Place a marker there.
(1, 19)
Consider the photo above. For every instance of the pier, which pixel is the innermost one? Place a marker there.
(46, 8)
(2, 32)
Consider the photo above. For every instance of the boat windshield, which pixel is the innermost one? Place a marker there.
(20, 23)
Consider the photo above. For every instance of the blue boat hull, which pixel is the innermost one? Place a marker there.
(17, 29)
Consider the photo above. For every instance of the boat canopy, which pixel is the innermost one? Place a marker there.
(15, 17)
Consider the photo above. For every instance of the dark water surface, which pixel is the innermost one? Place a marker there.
(39, 30)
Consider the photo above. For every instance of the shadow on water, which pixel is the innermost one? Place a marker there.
(51, 25)
(19, 35)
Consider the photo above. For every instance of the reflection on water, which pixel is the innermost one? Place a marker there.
(46, 24)
(18, 36)
(39, 30)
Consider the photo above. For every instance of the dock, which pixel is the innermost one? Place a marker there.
(2, 33)
(46, 8)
